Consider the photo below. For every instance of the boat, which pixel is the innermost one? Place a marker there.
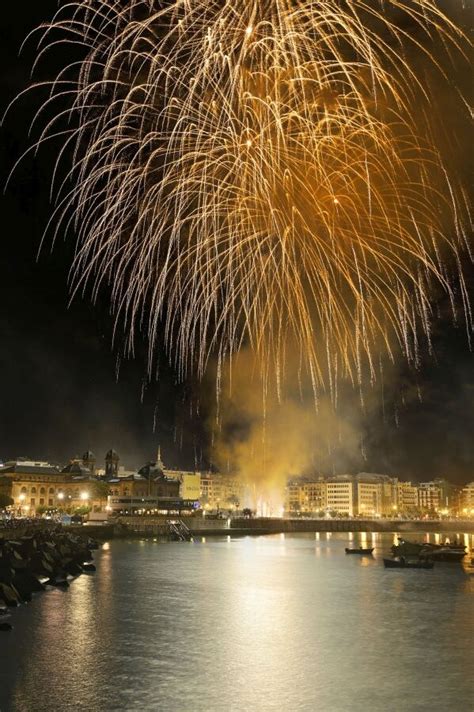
(443, 554)
(402, 563)
(360, 550)
(447, 552)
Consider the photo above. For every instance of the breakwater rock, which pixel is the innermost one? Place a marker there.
(38, 559)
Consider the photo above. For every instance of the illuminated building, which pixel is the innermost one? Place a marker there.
(221, 491)
(341, 495)
(406, 498)
(305, 495)
(437, 496)
(189, 483)
(467, 499)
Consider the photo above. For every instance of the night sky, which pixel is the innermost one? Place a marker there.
(58, 371)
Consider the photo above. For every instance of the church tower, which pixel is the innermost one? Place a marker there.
(111, 464)
(88, 460)
(159, 462)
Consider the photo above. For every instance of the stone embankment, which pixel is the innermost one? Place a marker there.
(36, 559)
(155, 526)
(273, 526)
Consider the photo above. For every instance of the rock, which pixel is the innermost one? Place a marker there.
(59, 582)
(9, 595)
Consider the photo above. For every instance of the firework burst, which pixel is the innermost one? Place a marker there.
(251, 172)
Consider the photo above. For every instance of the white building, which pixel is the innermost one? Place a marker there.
(341, 495)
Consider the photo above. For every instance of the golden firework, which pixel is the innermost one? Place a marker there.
(251, 171)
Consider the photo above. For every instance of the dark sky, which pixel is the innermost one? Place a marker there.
(59, 393)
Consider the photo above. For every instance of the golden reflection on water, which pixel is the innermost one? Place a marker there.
(274, 603)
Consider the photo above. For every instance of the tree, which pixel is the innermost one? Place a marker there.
(5, 501)
(99, 490)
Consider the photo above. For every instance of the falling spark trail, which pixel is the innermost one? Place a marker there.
(250, 172)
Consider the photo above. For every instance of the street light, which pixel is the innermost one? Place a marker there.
(60, 495)
(84, 496)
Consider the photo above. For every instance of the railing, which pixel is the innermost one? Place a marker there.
(179, 529)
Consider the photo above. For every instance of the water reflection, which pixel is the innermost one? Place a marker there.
(270, 623)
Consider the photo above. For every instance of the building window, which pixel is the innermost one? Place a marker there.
(42, 500)
(51, 490)
(50, 502)
(42, 490)
(33, 501)
(33, 490)
(23, 490)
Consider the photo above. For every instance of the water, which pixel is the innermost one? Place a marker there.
(283, 623)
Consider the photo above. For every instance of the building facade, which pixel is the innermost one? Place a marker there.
(341, 495)
(467, 499)
(306, 496)
(406, 498)
(220, 491)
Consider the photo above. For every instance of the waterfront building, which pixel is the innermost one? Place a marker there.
(189, 483)
(341, 495)
(368, 496)
(375, 494)
(146, 506)
(406, 498)
(467, 500)
(305, 495)
(148, 482)
(437, 496)
(221, 491)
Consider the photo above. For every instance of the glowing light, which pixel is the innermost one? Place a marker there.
(84, 496)
(60, 495)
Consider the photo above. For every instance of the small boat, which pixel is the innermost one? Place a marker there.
(360, 550)
(402, 563)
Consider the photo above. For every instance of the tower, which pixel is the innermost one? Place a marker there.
(111, 464)
(159, 463)
(88, 460)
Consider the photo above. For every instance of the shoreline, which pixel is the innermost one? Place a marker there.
(155, 526)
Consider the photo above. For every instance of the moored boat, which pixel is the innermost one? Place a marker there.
(443, 554)
(360, 550)
(402, 563)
